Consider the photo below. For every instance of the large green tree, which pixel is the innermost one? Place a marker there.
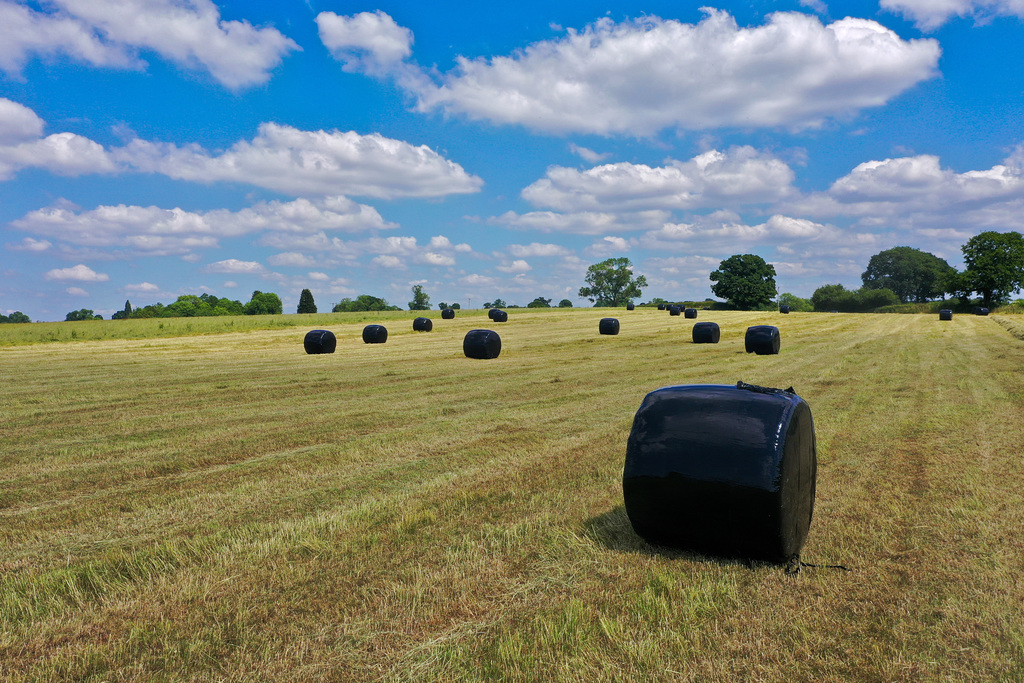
(420, 300)
(363, 302)
(611, 283)
(745, 280)
(82, 314)
(994, 265)
(306, 303)
(539, 302)
(914, 275)
(264, 304)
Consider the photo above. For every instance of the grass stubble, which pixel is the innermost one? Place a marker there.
(225, 507)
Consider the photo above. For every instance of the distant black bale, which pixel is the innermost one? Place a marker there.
(945, 314)
(661, 307)
(375, 334)
(674, 310)
(722, 470)
(482, 344)
(630, 306)
(983, 311)
(690, 312)
(494, 311)
(783, 309)
(320, 341)
(608, 326)
(422, 325)
(764, 340)
(447, 313)
(500, 316)
(706, 333)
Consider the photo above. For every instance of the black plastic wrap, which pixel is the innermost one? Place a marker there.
(630, 306)
(690, 312)
(500, 316)
(945, 314)
(722, 470)
(422, 325)
(492, 312)
(674, 310)
(375, 334)
(661, 307)
(482, 344)
(783, 309)
(608, 326)
(764, 340)
(706, 333)
(447, 313)
(320, 341)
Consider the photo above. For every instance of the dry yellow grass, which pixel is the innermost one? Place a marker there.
(225, 507)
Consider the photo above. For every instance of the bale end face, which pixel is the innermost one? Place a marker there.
(608, 326)
(764, 340)
(375, 334)
(661, 307)
(320, 341)
(481, 344)
(706, 333)
(783, 309)
(690, 312)
(722, 470)
(945, 314)
(447, 313)
(422, 325)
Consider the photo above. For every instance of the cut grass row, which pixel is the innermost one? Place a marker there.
(227, 507)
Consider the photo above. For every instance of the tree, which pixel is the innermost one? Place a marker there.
(914, 275)
(456, 306)
(565, 303)
(420, 301)
(82, 314)
(443, 305)
(497, 303)
(264, 304)
(539, 302)
(611, 283)
(363, 302)
(16, 317)
(745, 280)
(306, 303)
(863, 300)
(795, 303)
(994, 265)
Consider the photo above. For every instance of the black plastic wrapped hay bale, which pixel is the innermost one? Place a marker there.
(706, 333)
(983, 311)
(764, 340)
(482, 344)
(447, 313)
(674, 310)
(422, 325)
(493, 312)
(608, 326)
(783, 309)
(320, 341)
(630, 306)
(690, 312)
(945, 314)
(375, 334)
(722, 470)
(500, 316)
(661, 307)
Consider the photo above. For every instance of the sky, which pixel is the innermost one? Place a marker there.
(154, 148)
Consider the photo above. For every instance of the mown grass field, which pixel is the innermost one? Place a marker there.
(225, 507)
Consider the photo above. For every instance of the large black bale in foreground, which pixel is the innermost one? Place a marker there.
(722, 470)
(482, 344)
(375, 334)
(945, 314)
(608, 326)
(706, 333)
(690, 312)
(764, 340)
(320, 341)
(447, 313)
(422, 325)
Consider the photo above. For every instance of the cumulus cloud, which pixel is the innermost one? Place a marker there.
(515, 267)
(151, 230)
(586, 154)
(931, 14)
(141, 288)
(741, 175)
(22, 146)
(536, 249)
(18, 123)
(29, 244)
(298, 162)
(582, 223)
(189, 33)
(235, 266)
(80, 273)
(367, 40)
(76, 291)
(642, 76)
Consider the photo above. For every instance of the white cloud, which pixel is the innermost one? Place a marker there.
(645, 75)
(29, 244)
(582, 223)
(235, 266)
(189, 33)
(291, 259)
(931, 14)
(319, 277)
(141, 288)
(388, 261)
(587, 155)
(742, 175)
(366, 40)
(435, 259)
(76, 291)
(537, 249)
(80, 273)
(22, 146)
(298, 162)
(18, 123)
(151, 230)
(516, 266)
(608, 246)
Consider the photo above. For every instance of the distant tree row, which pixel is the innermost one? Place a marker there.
(192, 306)
(16, 317)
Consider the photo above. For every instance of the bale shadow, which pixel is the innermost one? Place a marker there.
(613, 530)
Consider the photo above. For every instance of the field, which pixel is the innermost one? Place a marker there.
(221, 506)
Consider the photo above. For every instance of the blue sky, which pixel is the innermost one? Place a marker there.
(153, 148)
